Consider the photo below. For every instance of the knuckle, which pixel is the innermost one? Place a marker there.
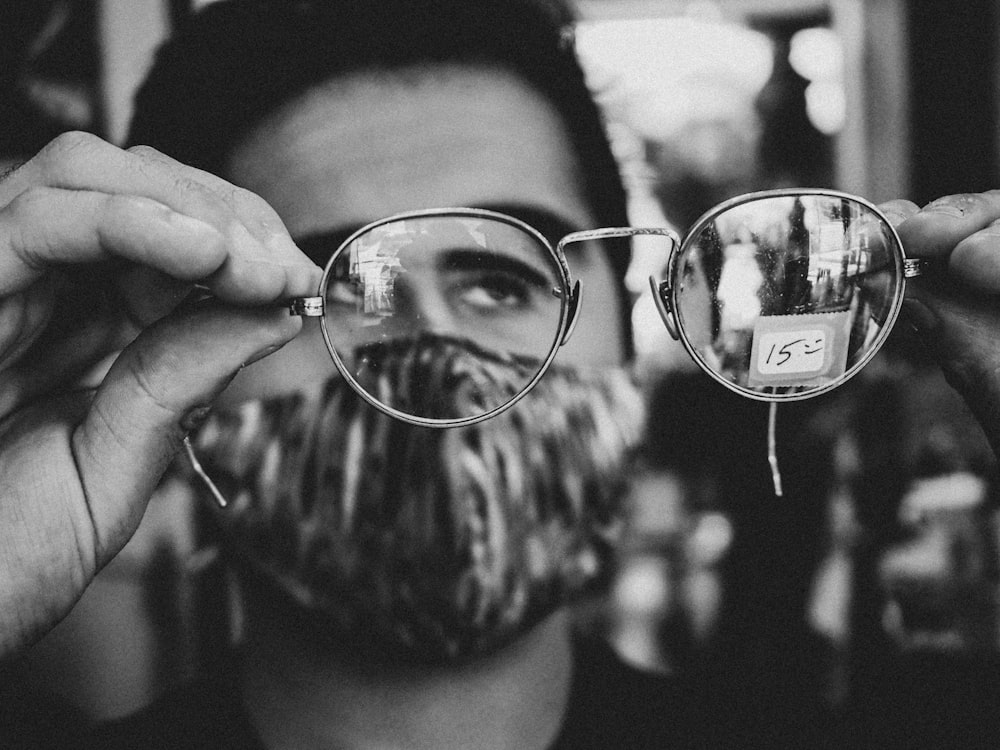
(898, 210)
(180, 181)
(73, 140)
(62, 155)
(954, 199)
(188, 185)
(30, 202)
(257, 214)
(899, 205)
(253, 224)
(146, 152)
(144, 367)
(244, 201)
(975, 205)
(198, 200)
(151, 397)
(22, 221)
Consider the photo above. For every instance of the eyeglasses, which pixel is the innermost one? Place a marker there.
(486, 282)
(779, 295)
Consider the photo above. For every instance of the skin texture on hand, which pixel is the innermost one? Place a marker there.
(98, 249)
(957, 313)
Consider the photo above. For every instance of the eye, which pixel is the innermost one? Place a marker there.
(495, 292)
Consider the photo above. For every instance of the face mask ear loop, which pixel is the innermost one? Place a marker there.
(772, 447)
(207, 480)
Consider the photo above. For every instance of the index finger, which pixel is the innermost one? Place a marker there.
(260, 262)
(936, 229)
(45, 227)
(962, 228)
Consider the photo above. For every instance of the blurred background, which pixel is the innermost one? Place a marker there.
(870, 588)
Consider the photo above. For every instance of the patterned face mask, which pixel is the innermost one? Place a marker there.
(427, 543)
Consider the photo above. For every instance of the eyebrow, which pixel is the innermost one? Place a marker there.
(319, 246)
(463, 260)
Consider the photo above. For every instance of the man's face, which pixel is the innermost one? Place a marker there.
(367, 147)
(448, 543)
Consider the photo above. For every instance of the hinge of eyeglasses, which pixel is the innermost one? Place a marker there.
(307, 307)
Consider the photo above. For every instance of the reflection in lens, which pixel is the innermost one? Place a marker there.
(787, 295)
(478, 280)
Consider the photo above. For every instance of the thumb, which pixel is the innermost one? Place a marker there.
(155, 392)
(958, 329)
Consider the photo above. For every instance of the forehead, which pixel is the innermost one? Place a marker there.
(371, 145)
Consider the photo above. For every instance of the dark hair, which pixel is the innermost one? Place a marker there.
(230, 65)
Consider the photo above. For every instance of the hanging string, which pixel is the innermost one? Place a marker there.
(772, 447)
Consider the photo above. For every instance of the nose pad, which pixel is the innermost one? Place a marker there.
(661, 296)
(572, 314)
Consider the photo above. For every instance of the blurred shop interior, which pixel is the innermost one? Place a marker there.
(872, 583)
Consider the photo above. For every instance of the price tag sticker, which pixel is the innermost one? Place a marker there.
(799, 352)
(793, 350)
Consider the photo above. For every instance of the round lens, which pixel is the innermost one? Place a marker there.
(445, 317)
(785, 296)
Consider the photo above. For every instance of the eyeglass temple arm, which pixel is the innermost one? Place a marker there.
(307, 307)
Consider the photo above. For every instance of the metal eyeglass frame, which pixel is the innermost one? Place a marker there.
(569, 293)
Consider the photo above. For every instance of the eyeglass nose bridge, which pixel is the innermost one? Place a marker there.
(660, 289)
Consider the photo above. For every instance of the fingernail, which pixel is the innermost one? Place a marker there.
(262, 353)
(195, 418)
(896, 217)
(944, 206)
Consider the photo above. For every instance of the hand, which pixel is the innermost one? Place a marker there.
(98, 248)
(957, 312)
